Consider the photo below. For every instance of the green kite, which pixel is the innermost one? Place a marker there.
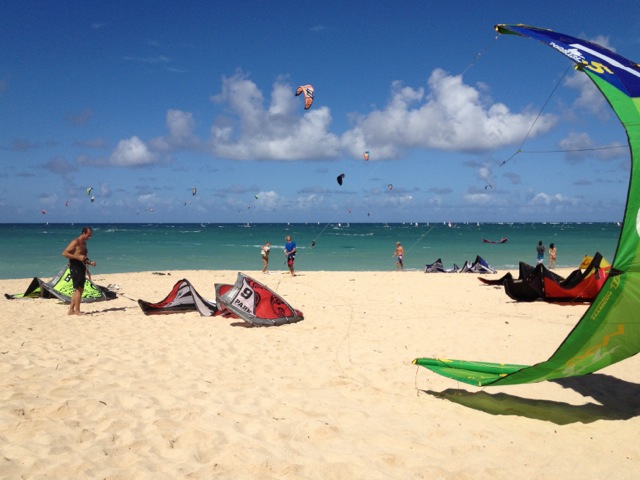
(61, 287)
(609, 331)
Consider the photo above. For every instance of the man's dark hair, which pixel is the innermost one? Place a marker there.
(86, 229)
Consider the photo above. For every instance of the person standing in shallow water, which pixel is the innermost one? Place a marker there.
(76, 252)
(540, 252)
(552, 255)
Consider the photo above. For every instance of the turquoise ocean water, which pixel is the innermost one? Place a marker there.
(34, 250)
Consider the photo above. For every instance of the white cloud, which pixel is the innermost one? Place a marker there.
(148, 199)
(394, 201)
(181, 126)
(603, 41)
(479, 199)
(131, 152)
(449, 116)
(268, 200)
(553, 200)
(279, 132)
(589, 98)
(310, 201)
(452, 116)
(484, 173)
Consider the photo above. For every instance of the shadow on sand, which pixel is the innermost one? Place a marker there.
(106, 310)
(613, 399)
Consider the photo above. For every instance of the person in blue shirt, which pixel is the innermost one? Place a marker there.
(290, 252)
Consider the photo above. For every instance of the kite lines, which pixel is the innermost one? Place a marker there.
(553, 91)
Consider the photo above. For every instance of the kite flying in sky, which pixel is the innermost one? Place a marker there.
(308, 95)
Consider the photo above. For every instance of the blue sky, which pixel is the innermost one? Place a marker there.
(143, 100)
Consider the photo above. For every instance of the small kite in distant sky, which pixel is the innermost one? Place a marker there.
(194, 190)
(89, 189)
(340, 178)
(44, 212)
(93, 198)
(366, 155)
(390, 187)
(308, 95)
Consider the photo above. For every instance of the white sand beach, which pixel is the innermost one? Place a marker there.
(115, 394)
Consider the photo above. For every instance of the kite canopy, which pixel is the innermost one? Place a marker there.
(502, 240)
(247, 299)
(255, 303)
(609, 331)
(438, 267)
(61, 287)
(182, 298)
(540, 283)
(479, 265)
(308, 92)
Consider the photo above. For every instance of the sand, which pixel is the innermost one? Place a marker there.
(115, 394)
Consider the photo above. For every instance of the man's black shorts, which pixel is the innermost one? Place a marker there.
(78, 273)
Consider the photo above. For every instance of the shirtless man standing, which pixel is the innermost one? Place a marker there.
(399, 253)
(76, 252)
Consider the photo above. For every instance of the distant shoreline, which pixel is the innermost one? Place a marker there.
(34, 250)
